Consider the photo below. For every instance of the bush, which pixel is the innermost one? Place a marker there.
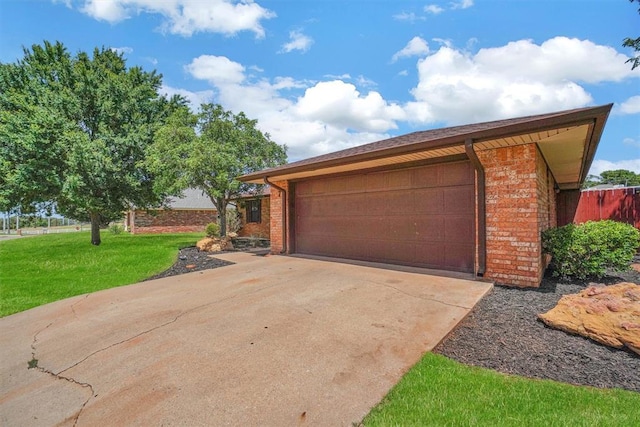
(212, 230)
(116, 229)
(590, 249)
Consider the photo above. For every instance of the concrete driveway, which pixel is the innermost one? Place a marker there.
(269, 341)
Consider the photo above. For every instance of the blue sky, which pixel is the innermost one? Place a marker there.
(326, 75)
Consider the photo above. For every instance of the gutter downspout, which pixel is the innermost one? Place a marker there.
(283, 192)
(482, 209)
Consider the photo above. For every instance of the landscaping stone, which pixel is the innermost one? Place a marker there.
(609, 315)
(209, 244)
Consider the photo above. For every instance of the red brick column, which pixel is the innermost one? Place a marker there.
(520, 203)
(276, 207)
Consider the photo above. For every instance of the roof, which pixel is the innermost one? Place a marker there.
(192, 199)
(567, 140)
(265, 191)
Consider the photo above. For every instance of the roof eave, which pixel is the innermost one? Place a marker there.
(597, 115)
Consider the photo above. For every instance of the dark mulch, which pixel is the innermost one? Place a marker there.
(191, 259)
(502, 333)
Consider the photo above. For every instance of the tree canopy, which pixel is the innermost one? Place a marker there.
(614, 177)
(208, 151)
(74, 132)
(633, 43)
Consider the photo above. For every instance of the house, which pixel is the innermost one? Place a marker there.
(255, 214)
(190, 213)
(471, 199)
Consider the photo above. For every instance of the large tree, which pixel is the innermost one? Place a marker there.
(614, 177)
(633, 43)
(208, 151)
(74, 130)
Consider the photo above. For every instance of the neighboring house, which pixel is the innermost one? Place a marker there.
(255, 214)
(190, 213)
(604, 201)
(471, 199)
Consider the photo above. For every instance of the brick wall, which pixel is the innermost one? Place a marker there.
(520, 204)
(172, 221)
(257, 229)
(276, 201)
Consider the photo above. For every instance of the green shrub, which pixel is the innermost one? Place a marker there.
(590, 249)
(116, 229)
(212, 230)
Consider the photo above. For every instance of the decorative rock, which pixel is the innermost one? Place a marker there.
(209, 244)
(609, 315)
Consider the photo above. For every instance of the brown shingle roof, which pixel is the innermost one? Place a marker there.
(444, 137)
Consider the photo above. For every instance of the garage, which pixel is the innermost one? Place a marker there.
(419, 216)
(473, 198)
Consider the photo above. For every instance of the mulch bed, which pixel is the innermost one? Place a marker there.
(191, 259)
(503, 333)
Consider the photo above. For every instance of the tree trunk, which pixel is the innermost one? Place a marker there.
(95, 228)
(222, 216)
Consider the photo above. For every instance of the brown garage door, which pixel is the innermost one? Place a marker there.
(422, 216)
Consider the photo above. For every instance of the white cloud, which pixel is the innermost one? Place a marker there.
(408, 16)
(632, 142)
(218, 70)
(314, 118)
(186, 17)
(454, 86)
(417, 46)
(122, 50)
(195, 98)
(631, 105)
(363, 81)
(517, 79)
(297, 41)
(599, 166)
(340, 104)
(462, 4)
(433, 9)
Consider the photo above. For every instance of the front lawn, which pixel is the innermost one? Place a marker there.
(438, 391)
(43, 269)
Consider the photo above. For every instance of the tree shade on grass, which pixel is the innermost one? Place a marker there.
(438, 391)
(43, 269)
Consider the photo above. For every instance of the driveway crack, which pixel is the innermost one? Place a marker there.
(33, 364)
(386, 285)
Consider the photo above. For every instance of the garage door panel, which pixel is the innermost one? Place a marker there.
(459, 199)
(431, 229)
(399, 202)
(404, 216)
(426, 176)
(458, 257)
(429, 200)
(458, 229)
(401, 227)
(430, 254)
(391, 251)
(399, 179)
(376, 181)
(376, 203)
(459, 173)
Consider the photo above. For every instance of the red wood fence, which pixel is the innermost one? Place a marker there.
(618, 204)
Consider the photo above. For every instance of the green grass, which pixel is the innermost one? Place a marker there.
(441, 392)
(43, 269)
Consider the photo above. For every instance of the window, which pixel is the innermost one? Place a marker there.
(253, 210)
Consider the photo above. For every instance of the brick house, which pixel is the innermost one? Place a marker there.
(190, 213)
(472, 199)
(255, 214)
